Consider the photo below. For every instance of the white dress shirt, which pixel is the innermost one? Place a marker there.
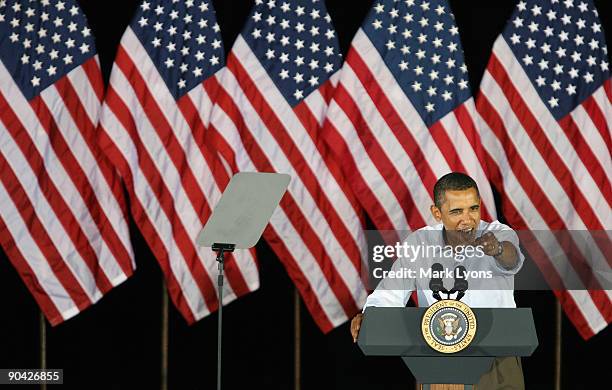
(496, 291)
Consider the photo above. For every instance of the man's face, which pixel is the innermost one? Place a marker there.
(460, 214)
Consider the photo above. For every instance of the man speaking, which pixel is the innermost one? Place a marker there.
(493, 264)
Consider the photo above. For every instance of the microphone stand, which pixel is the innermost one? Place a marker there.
(460, 288)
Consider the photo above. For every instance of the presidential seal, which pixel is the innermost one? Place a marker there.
(448, 326)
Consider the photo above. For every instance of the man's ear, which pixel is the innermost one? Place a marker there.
(435, 212)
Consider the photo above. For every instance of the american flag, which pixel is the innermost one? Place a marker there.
(545, 101)
(274, 94)
(62, 221)
(152, 127)
(402, 114)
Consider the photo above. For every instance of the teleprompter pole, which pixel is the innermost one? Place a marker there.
(558, 357)
(42, 327)
(221, 249)
(164, 338)
(297, 351)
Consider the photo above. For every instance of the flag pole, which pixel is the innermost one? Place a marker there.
(558, 326)
(297, 339)
(164, 338)
(42, 328)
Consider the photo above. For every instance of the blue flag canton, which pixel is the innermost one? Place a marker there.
(561, 46)
(296, 43)
(183, 39)
(42, 40)
(420, 44)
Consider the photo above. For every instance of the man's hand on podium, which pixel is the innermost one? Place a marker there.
(356, 325)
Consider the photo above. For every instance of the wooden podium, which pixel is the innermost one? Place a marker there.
(396, 331)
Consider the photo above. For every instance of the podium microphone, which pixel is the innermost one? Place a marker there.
(436, 285)
(461, 284)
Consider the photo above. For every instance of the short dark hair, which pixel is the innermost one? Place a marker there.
(454, 181)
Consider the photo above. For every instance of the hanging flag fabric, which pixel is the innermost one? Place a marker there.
(152, 128)
(62, 221)
(545, 104)
(402, 114)
(274, 94)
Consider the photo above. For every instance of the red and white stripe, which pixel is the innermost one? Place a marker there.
(392, 158)
(158, 146)
(317, 230)
(554, 175)
(62, 221)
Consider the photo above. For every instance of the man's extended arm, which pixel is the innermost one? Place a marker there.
(504, 252)
(508, 258)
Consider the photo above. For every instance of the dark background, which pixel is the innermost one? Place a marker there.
(116, 343)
